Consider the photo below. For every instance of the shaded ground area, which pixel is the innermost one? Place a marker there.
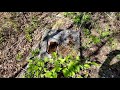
(110, 71)
(22, 32)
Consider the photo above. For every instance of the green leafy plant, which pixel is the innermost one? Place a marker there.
(55, 67)
(35, 52)
(95, 39)
(79, 18)
(19, 56)
(105, 34)
(28, 33)
(86, 32)
(29, 28)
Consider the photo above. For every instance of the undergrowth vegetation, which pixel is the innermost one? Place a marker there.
(81, 19)
(20, 31)
(68, 67)
(56, 67)
(29, 28)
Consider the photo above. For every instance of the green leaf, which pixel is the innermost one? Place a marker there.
(71, 68)
(66, 58)
(35, 52)
(48, 74)
(86, 66)
(57, 64)
(58, 69)
(81, 67)
(45, 69)
(54, 55)
(19, 56)
(77, 58)
(72, 73)
(36, 67)
(39, 63)
(61, 60)
(105, 33)
(51, 60)
(96, 40)
(77, 20)
(86, 75)
(46, 59)
(37, 74)
(71, 63)
(86, 17)
(42, 64)
(30, 61)
(86, 32)
(77, 69)
(53, 70)
(94, 63)
(79, 76)
(65, 72)
(54, 75)
(40, 68)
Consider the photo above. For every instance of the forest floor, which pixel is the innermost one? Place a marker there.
(21, 32)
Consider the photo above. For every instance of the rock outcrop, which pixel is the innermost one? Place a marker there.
(63, 42)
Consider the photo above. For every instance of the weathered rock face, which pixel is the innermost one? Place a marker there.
(63, 42)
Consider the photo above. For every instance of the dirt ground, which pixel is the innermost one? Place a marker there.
(14, 25)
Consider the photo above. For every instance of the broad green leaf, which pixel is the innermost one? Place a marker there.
(37, 73)
(40, 68)
(53, 70)
(48, 74)
(77, 69)
(58, 69)
(81, 67)
(77, 58)
(45, 69)
(71, 68)
(42, 64)
(65, 72)
(46, 59)
(57, 63)
(61, 60)
(36, 67)
(86, 66)
(54, 75)
(71, 63)
(54, 55)
(72, 73)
